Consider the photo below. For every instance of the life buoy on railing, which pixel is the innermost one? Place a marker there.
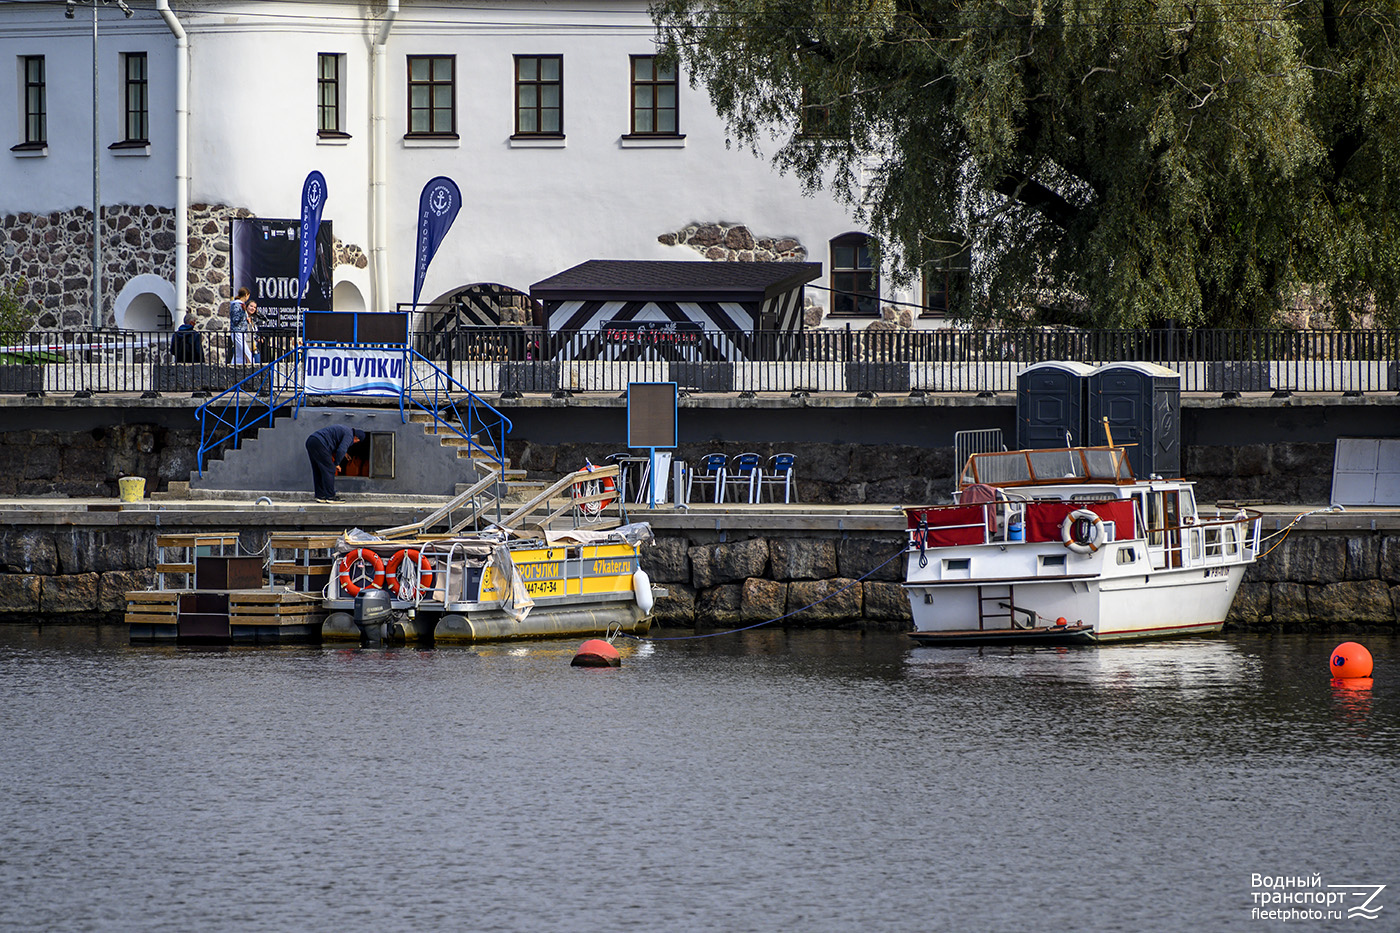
(593, 487)
(348, 584)
(1082, 531)
(408, 588)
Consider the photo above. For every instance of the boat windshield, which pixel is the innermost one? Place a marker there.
(1032, 467)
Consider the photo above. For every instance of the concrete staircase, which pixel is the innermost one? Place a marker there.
(482, 455)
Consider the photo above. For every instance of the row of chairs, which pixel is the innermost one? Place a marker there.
(743, 478)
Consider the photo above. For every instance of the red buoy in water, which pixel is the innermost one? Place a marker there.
(596, 653)
(1351, 660)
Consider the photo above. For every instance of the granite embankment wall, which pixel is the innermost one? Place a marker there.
(1349, 580)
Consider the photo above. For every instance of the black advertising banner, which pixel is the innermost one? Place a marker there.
(266, 259)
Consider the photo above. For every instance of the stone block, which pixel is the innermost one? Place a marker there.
(1251, 605)
(887, 606)
(802, 558)
(735, 562)
(1242, 376)
(21, 377)
(1312, 558)
(104, 551)
(821, 602)
(113, 586)
(761, 600)
(1388, 561)
(69, 593)
(877, 377)
(1360, 601)
(1288, 603)
(677, 607)
(703, 377)
(719, 606)
(19, 593)
(857, 557)
(529, 376)
(665, 561)
(28, 551)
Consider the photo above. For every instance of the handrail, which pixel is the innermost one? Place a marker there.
(445, 510)
(438, 398)
(245, 416)
(578, 476)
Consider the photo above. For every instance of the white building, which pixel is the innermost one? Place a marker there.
(567, 141)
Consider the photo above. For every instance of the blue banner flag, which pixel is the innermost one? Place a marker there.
(437, 208)
(313, 199)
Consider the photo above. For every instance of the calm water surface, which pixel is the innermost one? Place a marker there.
(786, 781)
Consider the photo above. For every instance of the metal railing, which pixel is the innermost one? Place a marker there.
(527, 359)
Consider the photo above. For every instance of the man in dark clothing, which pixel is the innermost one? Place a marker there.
(327, 448)
(185, 343)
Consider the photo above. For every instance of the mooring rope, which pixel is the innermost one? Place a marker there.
(1282, 533)
(780, 618)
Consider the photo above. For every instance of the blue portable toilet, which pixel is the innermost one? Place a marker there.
(1142, 402)
(1051, 405)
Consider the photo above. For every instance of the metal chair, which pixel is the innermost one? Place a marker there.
(711, 469)
(741, 478)
(781, 474)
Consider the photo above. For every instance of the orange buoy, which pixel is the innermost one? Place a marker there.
(1351, 660)
(596, 653)
(1062, 621)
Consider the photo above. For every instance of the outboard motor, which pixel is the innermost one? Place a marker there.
(372, 614)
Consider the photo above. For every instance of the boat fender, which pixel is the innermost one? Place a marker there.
(596, 653)
(1082, 531)
(641, 588)
(405, 589)
(347, 563)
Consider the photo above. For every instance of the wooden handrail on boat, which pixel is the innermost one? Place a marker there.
(578, 476)
(493, 476)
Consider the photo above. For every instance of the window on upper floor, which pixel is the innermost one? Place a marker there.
(330, 95)
(432, 95)
(35, 131)
(654, 98)
(945, 277)
(539, 95)
(136, 98)
(855, 282)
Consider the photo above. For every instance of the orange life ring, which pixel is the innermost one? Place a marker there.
(425, 573)
(604, 486)
(348, 562)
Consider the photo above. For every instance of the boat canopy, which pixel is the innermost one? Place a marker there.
(1046, 467)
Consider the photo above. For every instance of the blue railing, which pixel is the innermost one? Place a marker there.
(429, 388)
(249, 403)
(254, 400)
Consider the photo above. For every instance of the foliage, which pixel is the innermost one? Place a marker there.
(1109, 162)
(14, 316)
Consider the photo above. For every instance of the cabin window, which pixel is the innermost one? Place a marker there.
(1195, 535)
(1154, 519)
(1052, 561)
(1127, 555)
(1212, 542)
(1231, 545)
(955, 566)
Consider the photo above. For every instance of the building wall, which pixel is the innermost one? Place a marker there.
(531, 208)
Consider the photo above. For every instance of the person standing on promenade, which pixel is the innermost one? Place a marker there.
(240, 327)
(327, 448)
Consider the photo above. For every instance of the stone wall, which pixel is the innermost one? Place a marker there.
(727, 242)
(1314, 580)
(72, 575)
(90, 462)
(52, 253)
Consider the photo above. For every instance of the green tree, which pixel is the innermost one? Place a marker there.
(1109, 162)
(14, 316)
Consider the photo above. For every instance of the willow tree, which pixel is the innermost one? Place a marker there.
(1114, 162)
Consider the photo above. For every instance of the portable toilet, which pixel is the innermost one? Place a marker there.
(1051, 405)
(1142, 402)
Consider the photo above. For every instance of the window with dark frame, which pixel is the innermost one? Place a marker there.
(539, 95)
(432, 105)
(136, 94)
(855, 282)
(816, 118)
(945, 277)
(36, 119)
(329, 88)
(654, 98)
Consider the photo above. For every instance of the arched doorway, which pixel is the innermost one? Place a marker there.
(146, 302)
(484, 321)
